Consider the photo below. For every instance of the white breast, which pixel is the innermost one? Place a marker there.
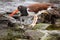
(49, 8)
(30, 13)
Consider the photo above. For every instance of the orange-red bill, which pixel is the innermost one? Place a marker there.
(14, 12)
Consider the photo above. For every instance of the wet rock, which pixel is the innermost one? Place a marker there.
(41, 26)
(54, 26)
(58, 22)
(3, 22)
(7, 34)
(26, 20)
(43, 34)
(51, 35)
(34, 34)
(22, 39)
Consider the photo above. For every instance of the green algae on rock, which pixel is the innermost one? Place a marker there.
(41, 26)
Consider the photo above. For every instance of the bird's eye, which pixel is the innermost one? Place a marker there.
(19, 7)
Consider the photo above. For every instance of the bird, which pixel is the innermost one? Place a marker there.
(32, 8)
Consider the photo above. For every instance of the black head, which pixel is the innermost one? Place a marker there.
(21, 7)
(23, 10)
